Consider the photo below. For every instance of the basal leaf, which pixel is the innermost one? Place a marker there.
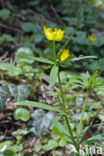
(21, 114)
(24, 55)
(41, 121)
(4, 145)
(10, 69)
(23, 92)
(4, 94)
(4, 13)
(13, 90)
(20, 92)
(51, 145)
(96, 138)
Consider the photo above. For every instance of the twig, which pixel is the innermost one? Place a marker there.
(4, 56)
(56, 14)
(2, 3)
(10, 28)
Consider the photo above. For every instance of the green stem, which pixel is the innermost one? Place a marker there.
(54, 50)
(64, 110)
(83, 110)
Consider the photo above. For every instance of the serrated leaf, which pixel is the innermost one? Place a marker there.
(38, 105)
(10, 69)
(4, 94)
(41, 121)
(21, 114)
(24, 55)
(53, 75)
(43, 60)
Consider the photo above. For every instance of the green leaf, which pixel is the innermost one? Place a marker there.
(93, 139)
(10, 69)
(5, 38)
(62, 129)
(59, 131)
(28, 27)
(13, 90)
(8, 152)
(4, 145)
(51, 145)
(43, 60)
(53, 75)
(41, 121)
(38, 105)
(37, 37)
(4, 13)
(83, 132)
(21, 114)
(20, 132)
(82, 57)
(20, 92)
(23, 92)
(4, 94)
(99, 42)
(24, 55)
(54, 122)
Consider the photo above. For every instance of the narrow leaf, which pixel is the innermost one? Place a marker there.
(53, 75)
(62, 129)
(80, 58)
(43, 60)
(96, 138)
(38, 105)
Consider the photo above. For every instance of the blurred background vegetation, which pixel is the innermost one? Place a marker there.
(22, 22)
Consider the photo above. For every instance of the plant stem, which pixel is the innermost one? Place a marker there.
(83, 110)
(64, 110)
(54, 50)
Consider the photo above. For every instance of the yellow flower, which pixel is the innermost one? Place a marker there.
(65, 54)
(91, 38)
(55, 35)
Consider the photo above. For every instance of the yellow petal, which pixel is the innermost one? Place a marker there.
(91, 38)
(55, 35)
(59, 35)
(65, 54)
(48, 33)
